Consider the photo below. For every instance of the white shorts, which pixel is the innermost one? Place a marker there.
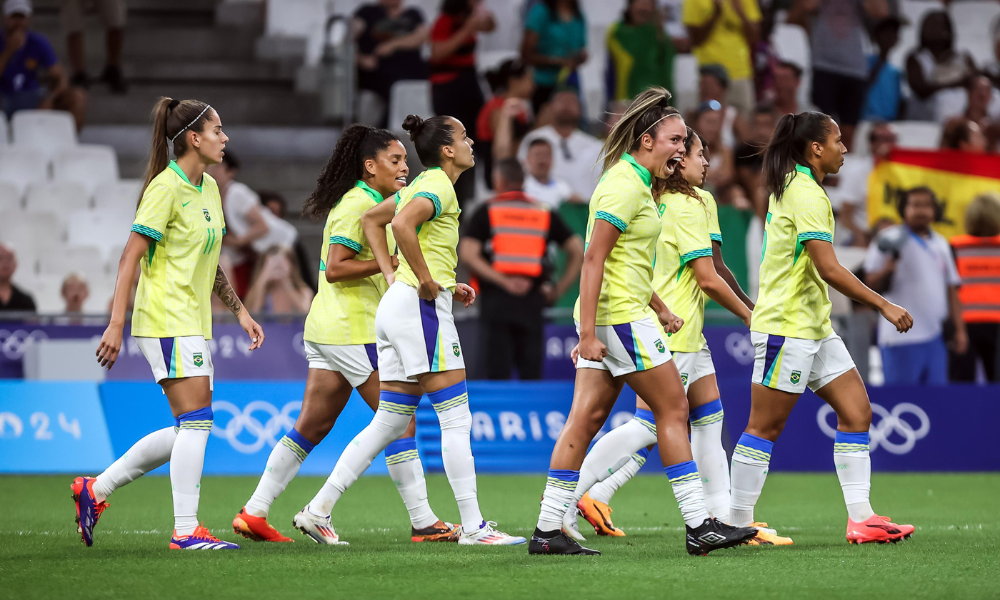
(694, 365)
(73, 17)
(790, 364)
(415, 336)
(355, 362)
(179, 357)
(635, 346)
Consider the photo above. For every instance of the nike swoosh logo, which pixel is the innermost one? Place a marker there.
(186, 203)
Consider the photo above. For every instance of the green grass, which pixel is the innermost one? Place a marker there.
(954, 552)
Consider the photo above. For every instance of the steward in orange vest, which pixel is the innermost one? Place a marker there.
(978, 262)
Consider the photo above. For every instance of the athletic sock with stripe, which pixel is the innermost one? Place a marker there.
(750, 461)
(282, 466)
(686, 483)
(452, 407)
(854, 469)
(560, 489)
(713, 464)
(187, 459)
(407, 473)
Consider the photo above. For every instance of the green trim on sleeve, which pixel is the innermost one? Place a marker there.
(223, 231)
(148, 232)
(815, 235)
(396, 198)
(610, 218)
(716, 237)
(433, 198)
(345, 241)
(695, 254)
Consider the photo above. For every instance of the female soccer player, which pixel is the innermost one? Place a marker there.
(176, 239)
(619, 343)
(685, 271)
(418, 346)
(791, 331)
(366, 166)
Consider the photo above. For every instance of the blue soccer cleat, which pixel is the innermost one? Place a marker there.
(88, 509)
(201, 539)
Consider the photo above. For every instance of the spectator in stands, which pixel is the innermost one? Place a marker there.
(277, 287)
(454, 83)
(555, 44)
(640, 53)
(787, 79)
(712, 85)
(74, 292)
(850, 197)
(722, 33)
(389, 38)
(73, 24)
(749, 156)
(992, 70)
(512, 83)
(12, 298)
(765, 56)
(983, 108)
(840, 69)
(963, 134)
(708, 120)
(575, 153)
(539, 183)
(24, 55)
(884, 100)
(278, 206)
(937, 73)
(514, 272)
(913, 263)
(977, 254)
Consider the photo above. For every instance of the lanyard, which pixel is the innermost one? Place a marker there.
(927, 248)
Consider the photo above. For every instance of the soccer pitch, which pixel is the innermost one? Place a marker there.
(953, 553)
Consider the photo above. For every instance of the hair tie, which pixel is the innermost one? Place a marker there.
(173, 104)
(193, 121)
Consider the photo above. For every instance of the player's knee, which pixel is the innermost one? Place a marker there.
(458, 418)
(855, 419)
(768, 431)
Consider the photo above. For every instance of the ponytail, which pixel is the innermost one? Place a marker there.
(172, 118)
(787, 148)
(429, 136)
(642, 116)
(346, 166)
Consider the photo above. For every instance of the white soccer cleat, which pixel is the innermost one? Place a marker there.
(487, 536)
(571, 524)
(317, 528)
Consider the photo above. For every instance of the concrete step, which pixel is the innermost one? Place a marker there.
(229, 72)
(255, 141)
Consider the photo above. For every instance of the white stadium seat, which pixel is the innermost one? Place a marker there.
(31, 230)
(120, 196)
(23, 166)
(918, 134)
(47, 292)
(60, 198)
(88, 165)
(685, 82)
(4, 130)
(47, 131)
(61, 261)
(409, 97)
(909, 36)
(105, 230)
(101, 289)
(974, 28)
(10, 196)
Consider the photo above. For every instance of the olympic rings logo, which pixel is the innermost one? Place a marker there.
(739, 346)
(891, 426)
(13, 343)
(245, 424)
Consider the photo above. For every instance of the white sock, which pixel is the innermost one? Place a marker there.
(750, 461)
(713, 464)
(145, 455)
(187, 458)
(602, 491)
(282, 465)
(613, 451)
(390, 422)
(407, 473)
(452, 407)
(854, 469)
(559, 492)
(686, 483)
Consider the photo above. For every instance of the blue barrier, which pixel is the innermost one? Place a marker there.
(52, 428)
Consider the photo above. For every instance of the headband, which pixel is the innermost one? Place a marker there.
(193, 121)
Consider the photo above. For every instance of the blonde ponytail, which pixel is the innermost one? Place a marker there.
(642, 116)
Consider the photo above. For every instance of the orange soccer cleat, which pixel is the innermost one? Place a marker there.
(767, 537)
(438, 532)
(598, 514)
(876, 529)
(256, 528)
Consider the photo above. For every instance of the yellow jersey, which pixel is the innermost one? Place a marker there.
(623, 198)
(687, 234)
(793, 300)
(726, 44)
(438, 236)
(343, 313)
(186, 225)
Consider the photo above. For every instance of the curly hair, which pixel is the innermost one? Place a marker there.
(346, 166)
(676, 182)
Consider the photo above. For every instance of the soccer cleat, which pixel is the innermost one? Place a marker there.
(318, 528)
(487, 536)
(88, 509)
(558, 544)
(256, 528)
(201, 539)
(877, 529)
(713, 535)
(767, 537)
(598, 514)
(438, 532)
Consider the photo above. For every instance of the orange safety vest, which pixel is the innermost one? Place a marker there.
(978, 263)
(520, 228)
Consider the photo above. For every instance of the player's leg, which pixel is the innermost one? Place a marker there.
(706, 417)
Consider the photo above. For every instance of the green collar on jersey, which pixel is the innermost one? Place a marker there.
(806, 170)
(179, 171)
(433, 168)
(640, 170)
(377, 197)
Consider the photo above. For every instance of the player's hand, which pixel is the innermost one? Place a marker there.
(465, 294)
(111, 345)
(671, 322)
(592, 349)
(428, 290)
(898, 316)
(746, 321)
(574, 354)
(394, 261)
(253, 330)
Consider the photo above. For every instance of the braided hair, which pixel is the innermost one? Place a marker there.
(346, 166)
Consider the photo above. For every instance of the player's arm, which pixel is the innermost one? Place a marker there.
(111, 342)
(723, 270)
(225, 292)
(603, 238)
(373, 223)
(341, 266)
(671, 322)
(845, 282)
(717, 289)
(404, 228)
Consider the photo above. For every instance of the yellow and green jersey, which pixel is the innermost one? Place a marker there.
(185, 224)
(343, 313)
(438, 236)
(793, 300)
(623, 198)
(687, 234)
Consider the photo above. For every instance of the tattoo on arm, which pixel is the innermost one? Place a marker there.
(226, 293)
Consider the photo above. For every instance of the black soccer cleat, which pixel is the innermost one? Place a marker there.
(557, 544)
(713, 535)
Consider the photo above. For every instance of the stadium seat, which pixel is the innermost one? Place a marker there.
(47, 131)
(23, 167)
(47, 292)
(102, 289)
(120, 196)
(918, 134)
(4, 130)
(409, 97)
(913, 11)
(685, 82)
(861, 139)
(10, 196)
(105, 230)
(31, 230)
(491, 59)
(88, 165)
(59, 260)
(974, 23)
(60, 198)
